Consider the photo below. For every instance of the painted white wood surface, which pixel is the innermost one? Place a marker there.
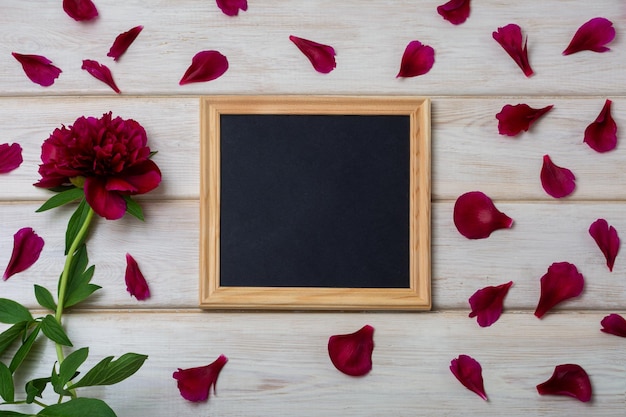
(278, 362)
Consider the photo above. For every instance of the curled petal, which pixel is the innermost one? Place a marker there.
(469, 373)
(592, 36)
(476, 217)
(352, 353)
(417, 59)
(322, 56)
(205, 66)
(136, 284)
(80, 9)
(108, 204)
(123, 41)
(195, 384)
(232, 7)
(10, 157)
(601, 135)
(101, 72)
(568, 379)
(27, 246)
(38, 69)
(514, 119)
(488, 302)
(510, 38)
(556, 181)
(560, 283)
(607, 239)
(614, 324)
(455, 11)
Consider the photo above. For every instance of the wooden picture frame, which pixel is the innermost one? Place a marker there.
(415, 296)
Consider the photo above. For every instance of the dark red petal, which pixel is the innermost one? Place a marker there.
(352, 353)
(614, 324)
(510, 38)
(38, 68)
(10, 157)
(417, 59)
(601, 135)
(514, 119)
(107, 204)
(557, 181)
(205, 66)
(476, 217)
(232, 7)
(195, 384)
(27, 246)
(568, 379)
(138, 179)
(80, 9)
(101, 72)
(455, 11)
(607, 240)
(123, 41)
(469, 373)
(321, 56)
(136, 284)
(488, 302)
(560, 283)
(592, 36)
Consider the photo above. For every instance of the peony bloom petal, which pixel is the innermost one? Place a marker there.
(488, 302)
(232, 7)
(136, 284)
(38, 69)
(101, 72)
(123, 41)
(27, 246)
(10, 157)
(512, 120)
(607, 240)
(322, 56)
(195, 384)
(80, 9)
(108, 204)
(469, 373)
(476, 217)
(556, 181)
(417, 59)
(601, 135)
(614, 324)
(455, 11)
(352, 353)
(592, 36)
(560, 283)
(510, 38)
(205, 66)
(568, 379)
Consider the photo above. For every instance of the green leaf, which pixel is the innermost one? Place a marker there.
(12, 312)
(64, 197)
(44, 298)
(11, 334)
(76, 222)
(23, 350)
(133, 208)
(109, 371)
(70, 365)
(54, 331)
(78, 286)
(78, 407)
(81, 294)
(7, 388)
(34, 388)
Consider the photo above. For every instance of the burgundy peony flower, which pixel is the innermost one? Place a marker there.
(568, 379)
(352, 353)
(27, 246)
(123, 41)
(205, 66)
(607, 239)
(560, 283)
(469, 373)
(487, 303)
(417, 59)
(80, 10)
(592, 36)
(109, 155)
(100, 72)
(455, 11)
(557, 181)
(232, 7)
(10, 157)
(322, 56)
(614, 324)
(136, 284)
(601, 135)
(510, 38)
(38, 69)
(515, 119)
(476, 217)
(195, 384)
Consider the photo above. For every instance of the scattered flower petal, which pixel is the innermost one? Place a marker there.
(80, 9)
(352, 353)
(417, 59)
(27, 246)
(321, 56)
(205, 66)
(607, 239)
(123, 41)
(469, 373)
(195, 384)
(556, 181)
(601, 135)
(568, 379)
(232, 7)
(476, 217)
(512, 120)
(136, 284)
(560, 283)
(10, 157)
(488, 302)
(592, 36)
(510, 38)
(101, 72)
(614, 324)
(455, 11)
(38, 68)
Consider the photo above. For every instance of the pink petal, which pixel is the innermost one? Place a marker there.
(80, 9)
(560, 283)
(321, 56)
(614, 324)
(205, 66)
(27, 246)
(352, 353)
(556, 181)
(195, 384)
(570, 380)
(592, 36)
(514, 119)
(601, 135)
(510, 38)
(232, 7)
(488, 302)
(136, 284)
(417, 59)
(469, 373)
(607, 240)
(10, 157)
(38, 68)
(123, 41)
(455, 11)
(476, 217)
(101, 72)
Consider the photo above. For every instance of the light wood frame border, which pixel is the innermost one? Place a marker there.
(416, 297)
